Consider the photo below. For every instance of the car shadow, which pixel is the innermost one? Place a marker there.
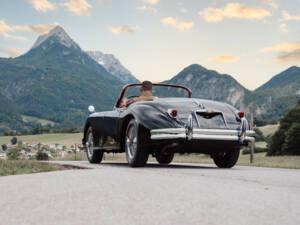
(156, 165)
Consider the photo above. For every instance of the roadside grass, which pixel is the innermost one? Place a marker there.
(260, 159)
(58, 138)
(13, 167)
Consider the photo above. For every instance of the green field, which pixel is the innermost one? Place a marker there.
(269, 129)
(43, 122)
(59, 138)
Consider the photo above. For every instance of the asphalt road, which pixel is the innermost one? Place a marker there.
(113, 193)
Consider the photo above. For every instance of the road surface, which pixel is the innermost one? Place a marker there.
(113, 193)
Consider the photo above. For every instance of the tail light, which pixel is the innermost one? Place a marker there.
(241, 114)
(173, 112)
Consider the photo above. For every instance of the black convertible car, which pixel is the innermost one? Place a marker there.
(167, 125)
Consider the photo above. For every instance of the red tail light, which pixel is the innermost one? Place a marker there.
(174, 112)
(241, 114)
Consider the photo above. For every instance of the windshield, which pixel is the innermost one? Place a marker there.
(159, 90)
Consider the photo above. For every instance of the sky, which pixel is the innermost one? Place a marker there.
(251, 40)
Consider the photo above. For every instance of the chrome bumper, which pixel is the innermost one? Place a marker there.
(202, 134)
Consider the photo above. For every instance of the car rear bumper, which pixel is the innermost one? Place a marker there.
(202, 134)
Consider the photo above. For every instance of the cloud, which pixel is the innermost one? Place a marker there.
(42, 5)
(184, 10)
(282, 47)
(179, 25)
(286, 51)
(149, 9)
(225, 58)
(37, 29)
(6, 31)
(269, 2)
(79, 7)
(105, 2)
(233, 10)
(151, 2)
(293, 56)
(11, 52)
(283, 28)
(287, 16)
(122, 29)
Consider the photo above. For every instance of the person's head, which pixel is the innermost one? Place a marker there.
(146, 87)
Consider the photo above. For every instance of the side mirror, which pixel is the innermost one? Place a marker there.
(91, 108)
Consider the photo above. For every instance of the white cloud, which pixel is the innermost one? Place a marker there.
(287, 16)
(234, 10)
(6, 31)
(105, 2)
(269, 2)
(122, 29)
(79, 7)
(42, 5)
(149, 9)
(282, 47)
(10, 52)
(226, 58)
(169, 21)
(184, 10)
(151, 2)
(37, 29)
(179, 25)
(283, 28)
(286, 51)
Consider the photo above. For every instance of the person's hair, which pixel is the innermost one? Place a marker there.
(146, 86)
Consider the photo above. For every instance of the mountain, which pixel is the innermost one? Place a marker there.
(277, 96)
(284, 83)
(209, 84)
(57, 80)
(113, 66)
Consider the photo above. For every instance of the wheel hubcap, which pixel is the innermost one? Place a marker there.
(90, 145)
(131, 141)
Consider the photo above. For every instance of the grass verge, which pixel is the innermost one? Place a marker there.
(13, 167)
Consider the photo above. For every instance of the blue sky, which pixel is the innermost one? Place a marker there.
(252, 40)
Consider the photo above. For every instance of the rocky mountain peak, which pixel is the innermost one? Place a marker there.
(59, 34)
(113, 66)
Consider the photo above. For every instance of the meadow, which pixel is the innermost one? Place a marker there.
(260, 159)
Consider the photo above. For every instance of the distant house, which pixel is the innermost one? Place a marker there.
(56, 147)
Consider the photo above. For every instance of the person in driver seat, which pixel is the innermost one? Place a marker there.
(146, 95)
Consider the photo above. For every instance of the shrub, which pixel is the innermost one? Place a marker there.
(4, 147)
(286, 140)
(258, 135)
(42, 155)
(13, 153)
(14, 140)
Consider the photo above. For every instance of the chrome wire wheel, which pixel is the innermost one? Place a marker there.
(90, 145)
(131, 141)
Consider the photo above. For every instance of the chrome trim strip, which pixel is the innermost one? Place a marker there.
(201, 134)
(199, 131)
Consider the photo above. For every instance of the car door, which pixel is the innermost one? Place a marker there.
(110, 122)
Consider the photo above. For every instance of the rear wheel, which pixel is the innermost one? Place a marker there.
(135, 155)
(228, 159)
(164, 157)
(94, 156)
